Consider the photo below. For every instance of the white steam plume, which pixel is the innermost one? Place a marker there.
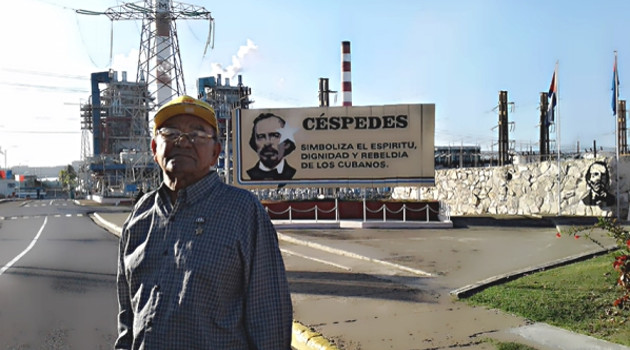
(236, 67)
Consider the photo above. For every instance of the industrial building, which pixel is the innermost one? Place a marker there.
(115, 124)
(224, 98)
(117, 160)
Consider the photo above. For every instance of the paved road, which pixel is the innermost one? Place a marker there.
(374, 289)
(380, 306)
(57, 278)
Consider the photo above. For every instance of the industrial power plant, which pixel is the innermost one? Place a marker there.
(116, 160)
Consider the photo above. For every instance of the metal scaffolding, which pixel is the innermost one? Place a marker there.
(118, 160)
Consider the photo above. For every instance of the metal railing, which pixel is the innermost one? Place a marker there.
(402, 209)
(443, 211)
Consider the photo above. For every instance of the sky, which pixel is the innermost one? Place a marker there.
(456, 54)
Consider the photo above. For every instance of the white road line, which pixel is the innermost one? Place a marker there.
(68, 215)
(51, 202)
(290, 239)
(30, 246)
(290, 252)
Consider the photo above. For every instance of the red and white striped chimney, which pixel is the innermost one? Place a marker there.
(346, 77)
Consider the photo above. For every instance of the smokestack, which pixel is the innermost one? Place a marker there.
(346, 78)
(164, 42)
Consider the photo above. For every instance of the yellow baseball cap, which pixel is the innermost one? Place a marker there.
(185, 105)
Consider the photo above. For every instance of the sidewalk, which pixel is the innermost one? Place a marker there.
(366, 313)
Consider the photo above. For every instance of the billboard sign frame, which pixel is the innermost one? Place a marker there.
(359, 146)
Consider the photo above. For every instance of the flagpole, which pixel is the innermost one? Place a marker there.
(558, 139)
(616, 82)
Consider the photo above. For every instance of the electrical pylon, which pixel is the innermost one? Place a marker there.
(159, 67)
(159, 61)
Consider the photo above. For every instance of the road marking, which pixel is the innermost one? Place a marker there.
(4, 218)
(51, 202)
(341, 252)
(326, 262)
(30, 246)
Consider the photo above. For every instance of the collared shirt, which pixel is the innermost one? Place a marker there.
(204, 273)
(279, 168)
(602, 199)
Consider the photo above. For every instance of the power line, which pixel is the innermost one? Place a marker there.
(47, 74)
(38, 132)
(55, 4)
(45, 87)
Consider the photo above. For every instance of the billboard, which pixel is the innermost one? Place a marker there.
(360, 146)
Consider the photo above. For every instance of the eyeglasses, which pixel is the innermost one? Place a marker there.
(197, 137)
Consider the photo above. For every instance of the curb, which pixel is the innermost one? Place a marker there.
(549, 335)
(476, 287)
(304, 338)
(112, 228)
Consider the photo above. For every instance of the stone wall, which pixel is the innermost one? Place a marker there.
(524, 189)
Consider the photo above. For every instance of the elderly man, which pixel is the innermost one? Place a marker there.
(199, 265)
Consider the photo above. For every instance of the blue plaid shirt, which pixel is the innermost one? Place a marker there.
(204, 273)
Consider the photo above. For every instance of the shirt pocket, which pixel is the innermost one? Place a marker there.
(213, 269)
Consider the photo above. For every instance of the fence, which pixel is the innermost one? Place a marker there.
(441, 211)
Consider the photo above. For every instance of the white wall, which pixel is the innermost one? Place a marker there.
(523, 189)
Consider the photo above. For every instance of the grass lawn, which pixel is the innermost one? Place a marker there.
(577, 297)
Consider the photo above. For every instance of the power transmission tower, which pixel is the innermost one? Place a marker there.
(159, 69)
(159, 61)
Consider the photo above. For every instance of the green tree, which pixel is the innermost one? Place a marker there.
(68, 178)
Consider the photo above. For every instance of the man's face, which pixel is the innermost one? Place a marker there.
(599, 178)
(183, 158)
(268, 146)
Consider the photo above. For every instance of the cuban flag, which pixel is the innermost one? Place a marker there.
(615, 88)
(553, 97)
